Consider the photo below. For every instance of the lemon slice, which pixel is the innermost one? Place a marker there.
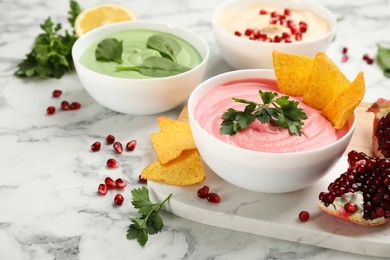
(100, 15)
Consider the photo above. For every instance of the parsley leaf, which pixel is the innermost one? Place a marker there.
(51, 54)
(109, 49)
(384, 60)
(150, 221)
(280, 111)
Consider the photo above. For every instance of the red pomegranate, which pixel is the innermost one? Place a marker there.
(362, 193)
(381, 131)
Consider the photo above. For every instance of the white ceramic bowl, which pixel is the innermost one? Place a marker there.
(241, 53)
(140, 96)
(261, 171)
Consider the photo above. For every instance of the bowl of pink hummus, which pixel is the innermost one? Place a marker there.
(262, 157)
(247, 31)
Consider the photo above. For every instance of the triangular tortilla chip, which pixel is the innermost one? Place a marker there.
(292, 72)
(187, 169)
(341, 107)
(325, 82)
(174, 138)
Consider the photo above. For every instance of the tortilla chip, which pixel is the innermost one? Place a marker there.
(325, 82)
(342, 106)
(187, 169)
(292, 72)
(174, 138)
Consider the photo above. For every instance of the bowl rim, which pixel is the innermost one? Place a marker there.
(207, 84)
(330, 19)
(137, 24)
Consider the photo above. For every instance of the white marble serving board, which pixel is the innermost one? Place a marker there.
(275, 215)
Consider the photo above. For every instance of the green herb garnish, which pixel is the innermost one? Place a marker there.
(109, 49)
(167, 46)
(279, 111)
(150, 221)
(384, 60)
(50, 56)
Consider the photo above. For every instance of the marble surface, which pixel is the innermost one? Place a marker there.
(49, 208)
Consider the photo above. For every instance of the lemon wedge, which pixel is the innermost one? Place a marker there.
(100, 15)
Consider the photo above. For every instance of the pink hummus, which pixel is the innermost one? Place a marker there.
(316, 132)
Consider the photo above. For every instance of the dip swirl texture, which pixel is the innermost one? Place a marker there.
(316, 132)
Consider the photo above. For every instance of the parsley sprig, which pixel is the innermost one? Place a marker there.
(51, 54)
(150, 221)
(279, 111)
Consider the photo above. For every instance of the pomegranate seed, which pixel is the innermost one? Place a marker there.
(130, 146)
(274, 14)
(121, 184)
(109, 182)
(287, 41)
(112, 163)
(95, 146)
(287, 11)
(345, 50)
(256, 34)
(213, 198)
(263, 37)
(203, 192)
(50, 110)
(282, 17)
(298, 36)
(102, 189)
(344, 58)
(110, 139)
(263, 11)
(118, 148)
(248, 32)
(290, 23)
(56, 93)
(75, 105)
(277, 38)
(65, 105)
(293, 29)
(273, 21)
(118, 199)
(350, 207)
(365, 57)
(302, 28)
(370, 61)
(304, 216)
(286, 35)
(142, 179)
(237, 33)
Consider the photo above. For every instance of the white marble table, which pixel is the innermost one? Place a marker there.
(49, 208)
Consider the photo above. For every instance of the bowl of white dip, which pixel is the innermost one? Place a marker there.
(247, 31)
(262, 157)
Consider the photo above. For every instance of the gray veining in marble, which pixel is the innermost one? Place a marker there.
(49, 208)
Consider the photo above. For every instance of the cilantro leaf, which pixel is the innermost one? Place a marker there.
(109, 49)
(150, 221)
(281, 111)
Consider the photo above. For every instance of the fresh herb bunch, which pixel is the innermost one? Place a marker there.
(150, 221)
(384, 60)
(111, 49)
(279, 111)
(50, 56)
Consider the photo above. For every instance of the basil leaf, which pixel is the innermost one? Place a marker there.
(157, 67)
(167, 46)
(384, 60)
(109, 49)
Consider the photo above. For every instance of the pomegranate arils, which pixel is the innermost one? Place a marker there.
(381, 131)
(248, 32)
(118, 148)
(287, 11)
(213, 198)
(65, 105)
(102, 189)
(203, 192)
(112, 163)
(298, 36)
(262, 12)
(95, 146)
(237, 33)
(368, 176)
(50, 110)
(142, 179)
(75, 105)
(121, 184)
(304, 216)
(344, 58)
(345, 50)
(110, 139)
(56, 93)
(118, 199)
(109, 182)
(130, 146)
